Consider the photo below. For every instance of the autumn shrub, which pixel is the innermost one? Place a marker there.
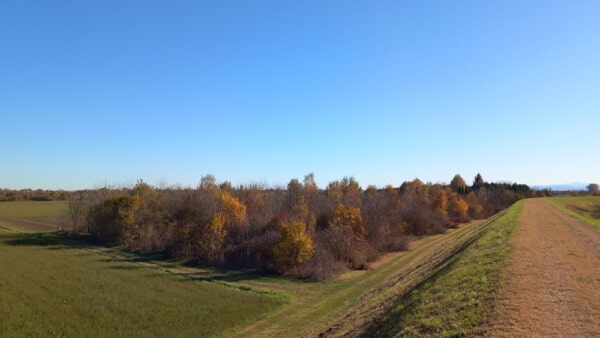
(398, 244)
(458, 209)
(180, 241)
(390, 238)
(293, 247)
(322, 264)
(114, 221)
(253, 251)
(418, 218)
(339, 242)
(360, 256)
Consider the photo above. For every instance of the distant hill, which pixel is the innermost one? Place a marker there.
(562, 187)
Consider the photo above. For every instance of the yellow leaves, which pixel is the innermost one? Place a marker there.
(461, 208)
(351, 218)
(233, 211)
(211, 241)
(440, 202)
(127, 206)
(217, 222)
(458, 208)
(293, 247)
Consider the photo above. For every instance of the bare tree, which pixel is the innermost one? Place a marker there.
(76, 210)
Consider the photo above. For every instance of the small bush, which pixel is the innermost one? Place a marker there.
(398, 244)
(322, 265)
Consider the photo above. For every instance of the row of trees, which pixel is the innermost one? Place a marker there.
(7, 195)
(301, 230)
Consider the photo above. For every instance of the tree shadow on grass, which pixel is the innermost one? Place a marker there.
(227, 275)
(124, 267)
(62, 241)
(36, 239)
(51, 240)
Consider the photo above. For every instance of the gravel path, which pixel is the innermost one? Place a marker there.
(553, 278)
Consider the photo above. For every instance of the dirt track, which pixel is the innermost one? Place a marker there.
(553, 277)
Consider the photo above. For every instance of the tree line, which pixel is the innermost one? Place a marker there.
(7, 195)
(301, 230)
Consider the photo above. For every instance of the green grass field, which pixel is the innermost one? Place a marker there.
(452, 302)
(31, 209)
(52, 287)
(584, 208)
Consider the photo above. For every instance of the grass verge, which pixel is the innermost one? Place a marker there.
(585, 208)
(453, 301)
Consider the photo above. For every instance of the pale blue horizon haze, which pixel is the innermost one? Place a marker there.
(108, 92)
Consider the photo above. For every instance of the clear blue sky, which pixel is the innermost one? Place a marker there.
(386, 91)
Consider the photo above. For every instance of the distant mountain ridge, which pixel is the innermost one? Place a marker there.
(562, 187)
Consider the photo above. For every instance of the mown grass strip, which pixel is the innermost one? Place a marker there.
(453, 301)
(585, 209)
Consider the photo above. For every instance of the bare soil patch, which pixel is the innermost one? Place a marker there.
(552, 281)
(31, 225)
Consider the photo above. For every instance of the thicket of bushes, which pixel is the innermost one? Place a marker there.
(302, 230)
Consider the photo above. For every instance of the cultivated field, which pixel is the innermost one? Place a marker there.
(31, 216)
(52, 287)
(57, 287)
(553, 276)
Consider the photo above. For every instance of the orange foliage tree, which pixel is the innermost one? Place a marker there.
(232, 211)
(459, 209)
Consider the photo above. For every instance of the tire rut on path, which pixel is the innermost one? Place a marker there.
(552, 278)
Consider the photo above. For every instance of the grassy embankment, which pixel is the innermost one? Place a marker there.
(584, 208)
(52, 287)
(453, 301)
